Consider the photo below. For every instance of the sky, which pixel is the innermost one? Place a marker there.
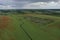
(29, 4)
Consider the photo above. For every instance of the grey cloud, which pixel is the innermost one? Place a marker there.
(1, 4)
(43, 0)
(21, 3)
(37, 0)
(18, 4)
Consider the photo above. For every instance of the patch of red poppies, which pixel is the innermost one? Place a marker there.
(4, 21)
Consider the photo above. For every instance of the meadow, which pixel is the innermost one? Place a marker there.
(29, 26)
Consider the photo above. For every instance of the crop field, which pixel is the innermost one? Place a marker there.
(29, 27)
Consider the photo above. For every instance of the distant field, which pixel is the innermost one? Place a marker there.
(29, 27)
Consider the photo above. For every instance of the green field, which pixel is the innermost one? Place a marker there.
(30, 27)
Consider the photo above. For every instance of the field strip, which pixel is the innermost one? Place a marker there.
(21, 25)
(22, 32)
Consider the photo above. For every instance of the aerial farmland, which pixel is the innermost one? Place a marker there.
(29, 24)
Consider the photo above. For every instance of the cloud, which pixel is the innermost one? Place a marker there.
(29, 4)
(37, 0)
(5, 4)
(6, 7)
(43, 5)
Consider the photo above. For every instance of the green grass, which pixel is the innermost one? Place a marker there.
(23, 29)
